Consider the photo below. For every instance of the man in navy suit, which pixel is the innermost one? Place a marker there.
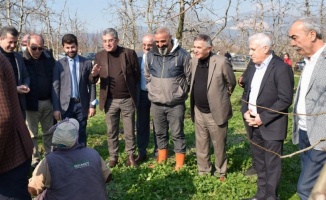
(73, 93)
(269, 84)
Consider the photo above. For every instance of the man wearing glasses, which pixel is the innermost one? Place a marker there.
(118, 69)
(39, 109)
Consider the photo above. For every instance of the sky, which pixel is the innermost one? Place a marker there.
(92, 12)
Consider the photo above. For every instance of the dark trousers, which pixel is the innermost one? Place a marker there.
(13, 184)
(143, 123)
(75, 110)
(268, 165)
(312, 162)
(165, 117)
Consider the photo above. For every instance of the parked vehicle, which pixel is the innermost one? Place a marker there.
(240, 62)
(299, 66)
(89, 55)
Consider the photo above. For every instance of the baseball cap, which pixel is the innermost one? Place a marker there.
(66, 133)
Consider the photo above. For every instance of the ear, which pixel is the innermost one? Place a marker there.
(313, 35)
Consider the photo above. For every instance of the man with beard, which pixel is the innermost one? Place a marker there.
(118, 69)
(8, 44)
(39, 108)
(168, 75)
(73, 93)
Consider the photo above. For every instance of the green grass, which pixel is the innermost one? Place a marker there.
(163, 182)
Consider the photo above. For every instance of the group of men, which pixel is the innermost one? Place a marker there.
(156, 83)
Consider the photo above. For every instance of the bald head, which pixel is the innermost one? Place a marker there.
(147, 42)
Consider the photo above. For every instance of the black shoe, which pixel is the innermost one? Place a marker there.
(141, 158)
(251, 171)
(113, 163)
(131, 161)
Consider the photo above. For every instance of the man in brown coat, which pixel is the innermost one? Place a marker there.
(15, 142)
(212, 83)
(119, 71)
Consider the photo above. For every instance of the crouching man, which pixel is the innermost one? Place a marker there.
(71, 171)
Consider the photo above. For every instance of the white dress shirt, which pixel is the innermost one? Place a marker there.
(256, 82)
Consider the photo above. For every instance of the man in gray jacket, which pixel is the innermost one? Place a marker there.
(168, 77)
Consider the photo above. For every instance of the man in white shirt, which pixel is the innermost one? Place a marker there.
(310, 98)
(269, 84)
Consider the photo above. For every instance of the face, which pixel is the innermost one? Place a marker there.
(110, 43)
(302, 39)
(285, 56)
(258, 53)
(9, 43)
(70, 49)
(147, 44)
(163, 42)
(201, 51)
(35, 47)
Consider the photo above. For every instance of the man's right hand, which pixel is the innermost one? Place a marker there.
(57, 115)
(23, 89)
(96, 70)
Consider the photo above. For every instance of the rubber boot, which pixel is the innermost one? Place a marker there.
(162, 155)
(179, 161)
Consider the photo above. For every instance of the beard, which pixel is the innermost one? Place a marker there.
(163, 51)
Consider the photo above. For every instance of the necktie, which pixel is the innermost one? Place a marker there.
(74, 80)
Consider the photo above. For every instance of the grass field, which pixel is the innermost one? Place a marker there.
(163, 182)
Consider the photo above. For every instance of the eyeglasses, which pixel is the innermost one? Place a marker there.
(34, 48)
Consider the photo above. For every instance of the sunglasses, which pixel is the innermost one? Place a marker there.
(34, 48)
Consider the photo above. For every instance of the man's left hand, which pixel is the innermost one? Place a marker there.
(91, 112)
(257, 119)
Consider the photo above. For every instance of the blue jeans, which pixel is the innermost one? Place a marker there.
(143, 123)
(75, 110)
(165, 116)
(13, 184)
(312, 162)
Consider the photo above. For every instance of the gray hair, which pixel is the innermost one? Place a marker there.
(162, 30)
(310, 25)
(111, 31)
(205, 38)
(262, 38)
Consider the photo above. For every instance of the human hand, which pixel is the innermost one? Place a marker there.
(96, 70)
(257, 120)
(23, 89)
(91, 112)
(57, 115)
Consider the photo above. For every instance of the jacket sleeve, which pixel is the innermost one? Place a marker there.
(229, 76)
(146, 68)
(136, 67)
(56, 86)
(25, 75)
(187, 68)
(91, 86)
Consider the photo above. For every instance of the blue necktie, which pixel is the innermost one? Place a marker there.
(74, 80)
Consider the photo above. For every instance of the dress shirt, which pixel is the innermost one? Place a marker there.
(304, 84)
(142, 71)
(256, 82)
(74, 92)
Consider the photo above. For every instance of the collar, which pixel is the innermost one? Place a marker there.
(265, 63)
(315, 56)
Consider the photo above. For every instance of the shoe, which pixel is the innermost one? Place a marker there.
(131, 161)
(253, 198)
(222, 178)
(141, 158)
(162, 155)
(251, 171)
(113, 163)
(179, 161)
